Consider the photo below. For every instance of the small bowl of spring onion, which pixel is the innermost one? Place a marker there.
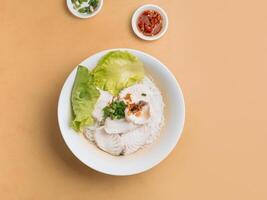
(84, 8)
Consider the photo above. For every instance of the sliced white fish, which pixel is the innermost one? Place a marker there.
(137, 92)
(117, 126)
(110, 143)
(137, 130)
(134, 140)
(88, 132)
(141, 117)
(104, 99)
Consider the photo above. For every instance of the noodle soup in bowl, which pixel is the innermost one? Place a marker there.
(145, 158)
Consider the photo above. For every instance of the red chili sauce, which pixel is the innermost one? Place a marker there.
(150, 22)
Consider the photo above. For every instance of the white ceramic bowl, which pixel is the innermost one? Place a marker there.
(145, 158)
(165, 21)
(84, 16)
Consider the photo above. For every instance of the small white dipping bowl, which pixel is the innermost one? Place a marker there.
(139, 11)
(81, 15)
(146, 158)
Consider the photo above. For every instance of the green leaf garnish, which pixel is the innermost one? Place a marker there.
(83, 99)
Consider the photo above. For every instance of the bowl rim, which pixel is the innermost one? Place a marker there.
(153, 7)
(77, 14)
(170, 149)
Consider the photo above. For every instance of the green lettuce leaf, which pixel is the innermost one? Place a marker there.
(83, 98)
(117, 70)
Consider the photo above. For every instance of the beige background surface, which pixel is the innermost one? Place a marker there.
(217, 50)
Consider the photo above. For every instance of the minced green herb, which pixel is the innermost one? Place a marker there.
(144, 94)
(93, 3)
(115, 110)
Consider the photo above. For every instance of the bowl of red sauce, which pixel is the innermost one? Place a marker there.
(150, 22)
